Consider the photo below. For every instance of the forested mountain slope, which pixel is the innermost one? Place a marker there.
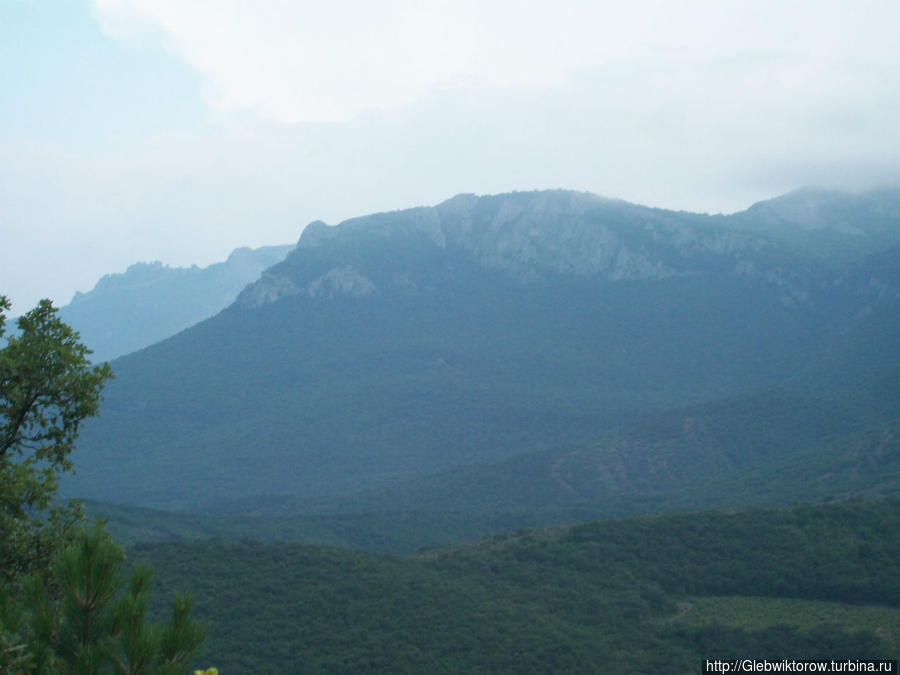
(407, 343)
(765, 448)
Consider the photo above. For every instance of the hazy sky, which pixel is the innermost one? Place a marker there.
(173, 130)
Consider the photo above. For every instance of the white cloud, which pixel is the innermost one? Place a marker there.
(294, 61)
(331, 110)
(313, 61)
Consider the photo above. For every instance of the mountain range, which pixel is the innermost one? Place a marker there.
(151, 301)
(537, 352)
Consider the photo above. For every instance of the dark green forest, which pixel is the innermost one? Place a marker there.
(642, 594)
(772, 447)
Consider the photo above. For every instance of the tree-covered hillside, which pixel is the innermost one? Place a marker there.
(403, 344)
(648, 594)
(766, 448)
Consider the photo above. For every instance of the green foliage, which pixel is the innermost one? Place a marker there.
(775, 447)
(13, 652)
(62, 607)
(601, 597)
(91, 623)
(47, 389)
(754, 613)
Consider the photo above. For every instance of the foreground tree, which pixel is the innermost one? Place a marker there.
(63, 608)
(93, 623)
(48, 387)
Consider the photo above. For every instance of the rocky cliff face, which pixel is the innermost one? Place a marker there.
(531, 235)
(797, 244)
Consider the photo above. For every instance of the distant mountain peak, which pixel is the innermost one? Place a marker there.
(817, 208)
(151, 301)
(526, 235)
